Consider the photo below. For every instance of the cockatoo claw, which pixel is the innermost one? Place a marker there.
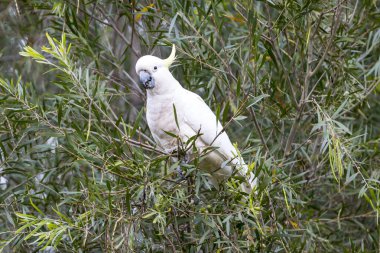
(180, 172)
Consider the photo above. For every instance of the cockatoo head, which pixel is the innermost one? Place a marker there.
(151, 69)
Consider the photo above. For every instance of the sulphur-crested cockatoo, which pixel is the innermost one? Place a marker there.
(174, 113)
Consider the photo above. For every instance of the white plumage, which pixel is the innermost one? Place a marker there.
(164, 93)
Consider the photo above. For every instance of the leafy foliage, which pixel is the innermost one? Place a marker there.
(295, 83)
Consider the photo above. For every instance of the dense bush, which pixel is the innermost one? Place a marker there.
(295, 83)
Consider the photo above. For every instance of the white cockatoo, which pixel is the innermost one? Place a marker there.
(174, 113)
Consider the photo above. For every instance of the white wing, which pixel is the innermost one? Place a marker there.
(196, 117)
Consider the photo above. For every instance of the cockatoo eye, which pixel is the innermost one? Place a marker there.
(155, 68)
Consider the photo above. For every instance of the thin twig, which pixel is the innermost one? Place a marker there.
(309, 73)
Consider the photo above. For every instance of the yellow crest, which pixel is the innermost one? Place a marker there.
(168, 61)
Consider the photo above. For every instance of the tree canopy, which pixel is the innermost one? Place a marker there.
(295, 83)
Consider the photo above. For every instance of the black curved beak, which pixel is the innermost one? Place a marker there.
(146, 80)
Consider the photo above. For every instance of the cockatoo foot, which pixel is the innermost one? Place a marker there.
(184, 160)
(180, 173)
